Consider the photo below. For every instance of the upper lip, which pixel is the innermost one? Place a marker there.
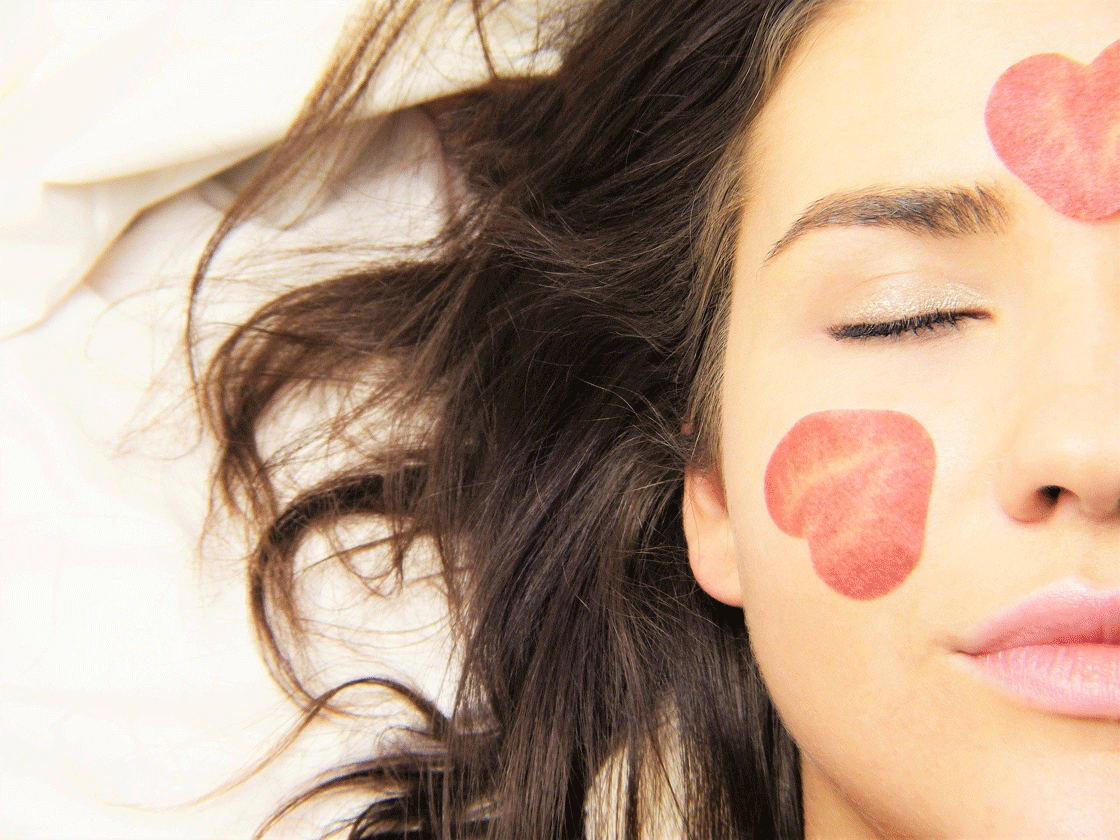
(1067, 613)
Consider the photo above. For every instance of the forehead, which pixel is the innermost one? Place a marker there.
(886, 93)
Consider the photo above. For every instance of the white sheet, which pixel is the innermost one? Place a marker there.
(129, 678)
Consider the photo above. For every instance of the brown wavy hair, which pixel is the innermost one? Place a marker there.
(549, 366)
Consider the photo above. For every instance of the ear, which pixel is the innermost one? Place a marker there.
(707, 529)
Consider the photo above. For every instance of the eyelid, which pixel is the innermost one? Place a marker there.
(897, 328)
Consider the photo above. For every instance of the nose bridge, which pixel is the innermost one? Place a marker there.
(1082, 265)
(1078, 352)
(1099, 313)
(1076, 342)
(1064, 447)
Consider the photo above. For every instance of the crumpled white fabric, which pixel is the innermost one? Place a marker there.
(130, 682)
(110, 106)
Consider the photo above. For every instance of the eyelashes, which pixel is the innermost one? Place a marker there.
(925, 323)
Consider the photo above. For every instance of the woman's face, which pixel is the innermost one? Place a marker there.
(881, 498)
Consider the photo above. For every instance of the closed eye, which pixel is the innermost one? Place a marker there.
(918, 325)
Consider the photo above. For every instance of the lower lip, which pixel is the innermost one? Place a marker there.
(1081, 680)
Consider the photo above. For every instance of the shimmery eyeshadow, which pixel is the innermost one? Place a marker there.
(856, 485)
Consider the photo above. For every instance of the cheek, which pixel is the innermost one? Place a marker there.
(856, 485)
(1055, 123)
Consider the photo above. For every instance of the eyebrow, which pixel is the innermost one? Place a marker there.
(926, 211)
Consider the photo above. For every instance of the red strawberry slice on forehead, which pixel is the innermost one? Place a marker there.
(1055, 123)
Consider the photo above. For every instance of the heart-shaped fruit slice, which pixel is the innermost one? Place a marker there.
(1055, 123)
(856, 485)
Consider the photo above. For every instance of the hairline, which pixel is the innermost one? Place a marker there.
(727, 198)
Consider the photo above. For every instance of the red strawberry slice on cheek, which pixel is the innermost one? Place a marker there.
(856, 485)
(1055, 123)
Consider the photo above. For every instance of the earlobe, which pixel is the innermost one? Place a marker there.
(707, 529)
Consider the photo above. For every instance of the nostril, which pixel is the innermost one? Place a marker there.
(1051, 492)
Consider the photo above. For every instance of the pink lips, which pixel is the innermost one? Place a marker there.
(1059, 650)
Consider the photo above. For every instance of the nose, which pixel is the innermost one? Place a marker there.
(1064, 457)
